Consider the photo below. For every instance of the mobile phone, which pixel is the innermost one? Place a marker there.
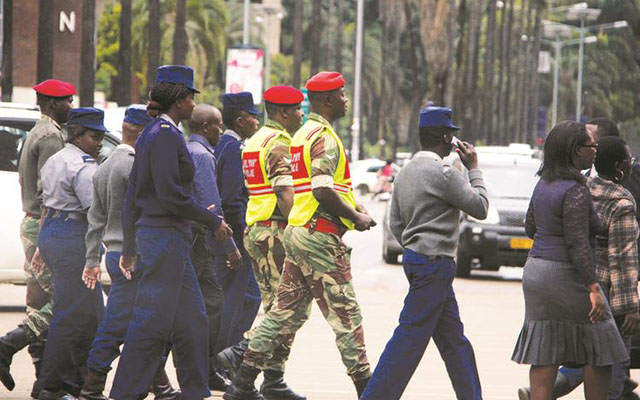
(456, 142)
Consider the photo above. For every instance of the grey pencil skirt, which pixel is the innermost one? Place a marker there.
(556, 327)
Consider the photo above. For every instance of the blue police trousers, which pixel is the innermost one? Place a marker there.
(430, 310)
(77, 310)
(114, 324)
(242, 298)
(168, 309)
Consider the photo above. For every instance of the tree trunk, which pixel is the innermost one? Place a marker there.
(502, 50)
(124, 54)
(297, 42)
(525, 22)
(45, 40)
(383, 107)
(533, 83)
(451, 78)
(339, 36)
(88, 55)
(7, 50)
(506, 121)
(395, 109)
(470, 82)
(461, 59)
(153, 51)
(180, 34)
(413, 66)
(489, 72)
(329, 52)
(316, 31)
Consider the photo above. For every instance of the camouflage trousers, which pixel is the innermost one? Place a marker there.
(317, 266)
(39, 285)
(265, 246)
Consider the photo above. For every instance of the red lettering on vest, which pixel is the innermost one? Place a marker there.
(347, 171)
(251, 167)
(298, 169)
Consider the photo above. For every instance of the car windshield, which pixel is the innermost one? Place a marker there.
(510, 181)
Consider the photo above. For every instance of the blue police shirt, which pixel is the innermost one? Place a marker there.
(233, 191)
(205, 187)
(160, 189)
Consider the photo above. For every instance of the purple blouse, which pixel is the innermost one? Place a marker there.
(563, 225)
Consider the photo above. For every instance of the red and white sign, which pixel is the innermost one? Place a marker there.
(245, 72)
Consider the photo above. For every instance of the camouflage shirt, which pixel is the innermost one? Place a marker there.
(278, 161)
(325, 156)
(44, 140)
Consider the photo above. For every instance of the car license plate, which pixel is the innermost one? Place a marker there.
(521, 243)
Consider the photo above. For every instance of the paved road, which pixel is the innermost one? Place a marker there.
(491, 306)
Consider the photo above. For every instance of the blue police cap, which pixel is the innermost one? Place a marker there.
(436, 116)
(136, 114)
(179, 74)
(239, 101)
(88, 117)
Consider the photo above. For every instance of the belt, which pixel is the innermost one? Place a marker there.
(318, 224)
(78, 216)
(269, 223)
(30, 215)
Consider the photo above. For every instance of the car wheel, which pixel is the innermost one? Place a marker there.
(390, 257)
(363, 190)
(463, 265)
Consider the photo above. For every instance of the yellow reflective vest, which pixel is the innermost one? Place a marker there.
(304, 203)
(262, 198)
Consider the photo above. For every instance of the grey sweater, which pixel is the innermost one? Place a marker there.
(428, 196)
(109, 190)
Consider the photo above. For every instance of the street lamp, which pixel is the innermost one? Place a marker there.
(557, 45)
(355, 126)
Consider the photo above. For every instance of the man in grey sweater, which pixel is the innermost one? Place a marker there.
(425, 216)
(105, 226)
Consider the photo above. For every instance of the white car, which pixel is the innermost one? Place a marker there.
(16, 120)
(364, 174)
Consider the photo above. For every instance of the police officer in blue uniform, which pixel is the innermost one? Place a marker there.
(67, 194)
(105, 226)
(156, 224)
(241, 292)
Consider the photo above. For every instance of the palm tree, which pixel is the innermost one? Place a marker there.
(316, 21)
(180, 33)
(489, 74)
(297, 40)
(153, 41)
(339, 36)
(7, 50)
(124, 54)
(45, 40)
(88, 54)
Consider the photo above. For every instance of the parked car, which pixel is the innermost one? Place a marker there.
(364, 174)
(499, 239)
(16, 120)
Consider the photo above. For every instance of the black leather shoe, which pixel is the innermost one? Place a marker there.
(10, 344)
(218, 383)
(231, 357)
(275, 388)
(243, 385)
(57, 395)
(161, 387)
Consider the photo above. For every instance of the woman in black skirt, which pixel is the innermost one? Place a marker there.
(567, 318)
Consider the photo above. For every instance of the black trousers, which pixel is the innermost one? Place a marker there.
(202, 260)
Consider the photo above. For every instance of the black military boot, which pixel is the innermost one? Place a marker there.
(243, 385)
(35, 389)
(231, 357)
(10, 344)
(217, 382)
(93, 386)
(361, 385)
(275, 388)
(161, 387)
(57, 395)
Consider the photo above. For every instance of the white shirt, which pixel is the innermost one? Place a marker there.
(126, 147)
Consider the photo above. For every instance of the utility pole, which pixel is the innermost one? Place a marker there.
(355, 127)
(245, 30)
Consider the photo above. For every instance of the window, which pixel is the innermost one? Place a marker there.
(12, 137)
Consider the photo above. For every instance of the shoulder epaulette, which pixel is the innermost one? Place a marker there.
(313, 132)
(88, 159)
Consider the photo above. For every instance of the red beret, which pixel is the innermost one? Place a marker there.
(283, 95)
(325, 82)
(55, 88)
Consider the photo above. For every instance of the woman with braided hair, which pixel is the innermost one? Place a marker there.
(156, 223)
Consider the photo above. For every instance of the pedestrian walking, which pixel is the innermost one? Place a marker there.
(67, 192)
(241, 292)
(567, 318)
(45, 139)
(425, 211)
(105, 226)
(267, 172)
(317, 263)
(205, 128)
(156, 219)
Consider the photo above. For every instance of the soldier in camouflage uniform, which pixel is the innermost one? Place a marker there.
(267, 171)
(45, 139)
(317, 264)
